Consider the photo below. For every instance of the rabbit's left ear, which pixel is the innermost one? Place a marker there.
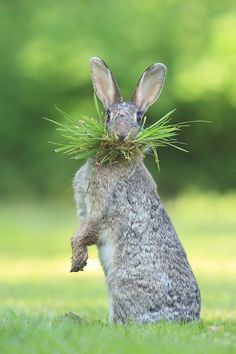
(149, 86)
(104, 83)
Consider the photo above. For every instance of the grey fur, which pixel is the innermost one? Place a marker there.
(147, 272)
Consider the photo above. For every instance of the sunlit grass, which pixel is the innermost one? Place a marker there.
(37, 289)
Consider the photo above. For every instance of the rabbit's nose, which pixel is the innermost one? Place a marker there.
(121, 136)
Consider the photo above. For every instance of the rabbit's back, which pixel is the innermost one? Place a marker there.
(151, 277)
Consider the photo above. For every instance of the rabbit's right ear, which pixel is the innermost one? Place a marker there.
(149, 86)
(104, 83)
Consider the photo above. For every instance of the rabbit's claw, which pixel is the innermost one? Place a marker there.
(79, 262)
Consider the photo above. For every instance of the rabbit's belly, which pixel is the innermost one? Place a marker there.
(106, 248)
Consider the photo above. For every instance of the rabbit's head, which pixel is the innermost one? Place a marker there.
(124, 118)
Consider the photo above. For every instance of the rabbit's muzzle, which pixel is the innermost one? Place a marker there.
(123, 129)
(121, 136)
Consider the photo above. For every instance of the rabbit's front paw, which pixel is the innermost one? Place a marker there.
(79, 261)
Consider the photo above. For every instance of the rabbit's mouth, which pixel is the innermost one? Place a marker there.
(122, 137)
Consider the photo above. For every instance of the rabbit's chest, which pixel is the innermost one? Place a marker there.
(106, 250)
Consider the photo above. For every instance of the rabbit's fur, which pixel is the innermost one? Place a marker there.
(147, 272)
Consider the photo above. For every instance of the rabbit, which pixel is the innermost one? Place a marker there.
(147, 272)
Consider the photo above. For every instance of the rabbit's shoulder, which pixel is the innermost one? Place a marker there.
(82, 177)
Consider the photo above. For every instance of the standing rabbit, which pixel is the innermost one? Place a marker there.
(147, 272)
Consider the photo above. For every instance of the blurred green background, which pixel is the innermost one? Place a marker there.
(45, 49)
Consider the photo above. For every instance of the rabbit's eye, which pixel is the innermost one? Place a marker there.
(139, 117)
(108, 116)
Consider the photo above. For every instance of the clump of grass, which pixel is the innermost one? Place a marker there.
(88, 137)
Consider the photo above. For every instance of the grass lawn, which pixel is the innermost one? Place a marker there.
(37, 290)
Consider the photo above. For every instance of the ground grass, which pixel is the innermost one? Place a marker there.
(37, 290)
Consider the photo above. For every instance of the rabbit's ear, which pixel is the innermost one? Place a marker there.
(149, 86)
(104, 83)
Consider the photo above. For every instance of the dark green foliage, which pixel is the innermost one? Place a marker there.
(46, 47)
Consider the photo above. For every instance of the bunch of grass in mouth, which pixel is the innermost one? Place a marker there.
(89, 138)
